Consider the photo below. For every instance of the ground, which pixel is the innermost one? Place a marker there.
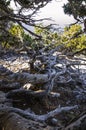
(69, 94)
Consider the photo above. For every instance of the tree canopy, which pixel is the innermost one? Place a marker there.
(77, 8)
(42, 85)
(23, 13)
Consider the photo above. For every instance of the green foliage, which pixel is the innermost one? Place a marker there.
(16, 31)
(21, 36)
(29, 41)
(77, 8)
(67, 9)
(49, 37)
(73, 39)
(13, 37)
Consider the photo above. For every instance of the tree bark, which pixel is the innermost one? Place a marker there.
(13, 121)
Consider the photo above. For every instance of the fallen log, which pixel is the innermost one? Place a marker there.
(28, 78)
(23, 76)
(39, 118)
(22, 93)
(13, 121)
(4, 86)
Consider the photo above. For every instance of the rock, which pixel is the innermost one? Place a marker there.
(54, 121)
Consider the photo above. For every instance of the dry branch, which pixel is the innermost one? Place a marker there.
(9, 86)
(78, 124)
(13, 121)
(28, 78)
(40, 118)
(53, 80)
(22, 93)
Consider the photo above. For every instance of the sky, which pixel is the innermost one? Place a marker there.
(55, 11)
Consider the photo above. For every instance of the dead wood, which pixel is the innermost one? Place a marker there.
(26, 77)
(82, 51)
(25, 94)
(79, 124)
(49, 73)
(13, 121)
(40, 118)
(4, 100)
(6, 86)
